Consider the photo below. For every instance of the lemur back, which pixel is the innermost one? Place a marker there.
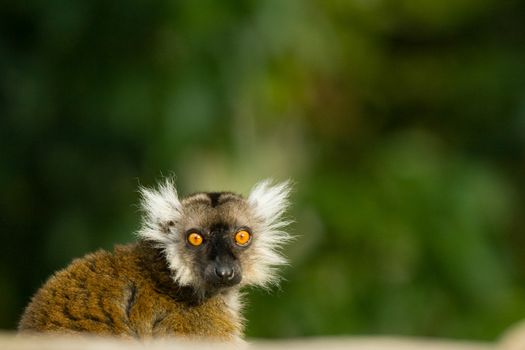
(128, 293)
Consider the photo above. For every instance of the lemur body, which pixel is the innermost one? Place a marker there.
(182, 277)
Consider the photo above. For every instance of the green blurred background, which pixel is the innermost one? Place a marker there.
(402, 123)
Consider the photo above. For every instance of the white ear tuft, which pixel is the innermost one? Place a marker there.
(269, 204)
(270, 201)
(161, 206)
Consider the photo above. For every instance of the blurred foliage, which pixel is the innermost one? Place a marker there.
(401, 121)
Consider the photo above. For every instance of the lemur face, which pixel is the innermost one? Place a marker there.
(217, 240)
(217, 235)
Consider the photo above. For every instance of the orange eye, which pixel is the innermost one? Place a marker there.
(195, 239)
(242, 237)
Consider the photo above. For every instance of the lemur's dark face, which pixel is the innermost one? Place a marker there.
(216, 251)
(216, 235)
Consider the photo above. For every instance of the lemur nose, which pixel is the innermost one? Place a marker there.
(224, 272)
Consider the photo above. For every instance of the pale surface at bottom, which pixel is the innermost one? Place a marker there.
(513, 339)
(9, 341)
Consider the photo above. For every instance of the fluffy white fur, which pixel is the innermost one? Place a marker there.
(268, 203)
(160, 207)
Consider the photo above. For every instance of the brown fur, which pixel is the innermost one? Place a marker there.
(129, 293)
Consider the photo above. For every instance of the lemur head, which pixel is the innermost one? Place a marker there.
(216, 240)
